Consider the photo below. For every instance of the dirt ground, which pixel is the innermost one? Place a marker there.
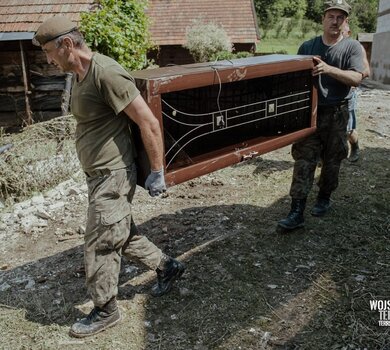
(246, 286)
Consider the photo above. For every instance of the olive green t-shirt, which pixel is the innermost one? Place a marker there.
(103, 136)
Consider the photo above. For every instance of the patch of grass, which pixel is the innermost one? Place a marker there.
(276, 45)
(287, 36)
(42, 156)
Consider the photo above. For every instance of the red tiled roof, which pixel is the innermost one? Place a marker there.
(27, 15)
(170, 18)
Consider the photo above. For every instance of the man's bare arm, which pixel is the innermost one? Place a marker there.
(347, 77)
(140, 113)
(366, 73)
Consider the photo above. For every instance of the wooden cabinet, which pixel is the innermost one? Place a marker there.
(213, 115)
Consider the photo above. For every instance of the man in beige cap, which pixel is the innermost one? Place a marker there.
(338, 65)
(104, 98)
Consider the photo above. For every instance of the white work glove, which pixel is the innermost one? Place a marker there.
(155, 182)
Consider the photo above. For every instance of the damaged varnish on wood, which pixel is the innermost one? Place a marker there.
(216, 114)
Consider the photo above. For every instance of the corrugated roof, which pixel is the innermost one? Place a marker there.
(170, 19)
(27, 15)
(16, 36)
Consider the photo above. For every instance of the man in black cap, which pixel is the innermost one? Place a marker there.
(338, 66)
(104, 97)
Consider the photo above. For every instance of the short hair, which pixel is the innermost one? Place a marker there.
(76, 36)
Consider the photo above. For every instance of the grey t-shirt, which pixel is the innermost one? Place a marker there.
(347, 54)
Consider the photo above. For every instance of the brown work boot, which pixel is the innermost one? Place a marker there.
(172, 270)
(99, 319)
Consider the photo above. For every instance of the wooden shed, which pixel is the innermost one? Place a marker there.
(30, 89)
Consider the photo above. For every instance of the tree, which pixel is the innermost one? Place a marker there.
(365, 12)
(119, 29)
(296, 9)
(314, 10)
(362, 17)
(270, 12)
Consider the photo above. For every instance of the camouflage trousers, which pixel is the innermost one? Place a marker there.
(111, 233)
(328, 144)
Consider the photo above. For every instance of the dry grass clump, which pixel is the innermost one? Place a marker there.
(42, 156)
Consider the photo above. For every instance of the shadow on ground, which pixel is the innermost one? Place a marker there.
(246, 286)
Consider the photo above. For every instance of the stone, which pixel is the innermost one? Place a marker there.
(39, 199)
(43, 214)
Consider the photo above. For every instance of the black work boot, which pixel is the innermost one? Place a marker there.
(99, 319)
(321, 206)
(355, 152)
(294, 218)
(171, 271)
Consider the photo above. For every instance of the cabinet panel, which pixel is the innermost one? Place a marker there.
(213, 115)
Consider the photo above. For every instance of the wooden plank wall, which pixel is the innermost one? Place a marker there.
(45, 85)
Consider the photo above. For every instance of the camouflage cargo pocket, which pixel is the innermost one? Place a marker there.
(114, 236)
(109, 212)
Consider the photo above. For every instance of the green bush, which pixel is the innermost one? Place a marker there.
(243, 54)
(226, 55)
(119, 29)
(207, 40)
(221, 55)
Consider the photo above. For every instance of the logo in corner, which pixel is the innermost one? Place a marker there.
(383, 307)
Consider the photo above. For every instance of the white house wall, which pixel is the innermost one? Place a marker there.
(380, 56)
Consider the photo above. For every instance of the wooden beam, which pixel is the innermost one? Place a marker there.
(27, 92)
